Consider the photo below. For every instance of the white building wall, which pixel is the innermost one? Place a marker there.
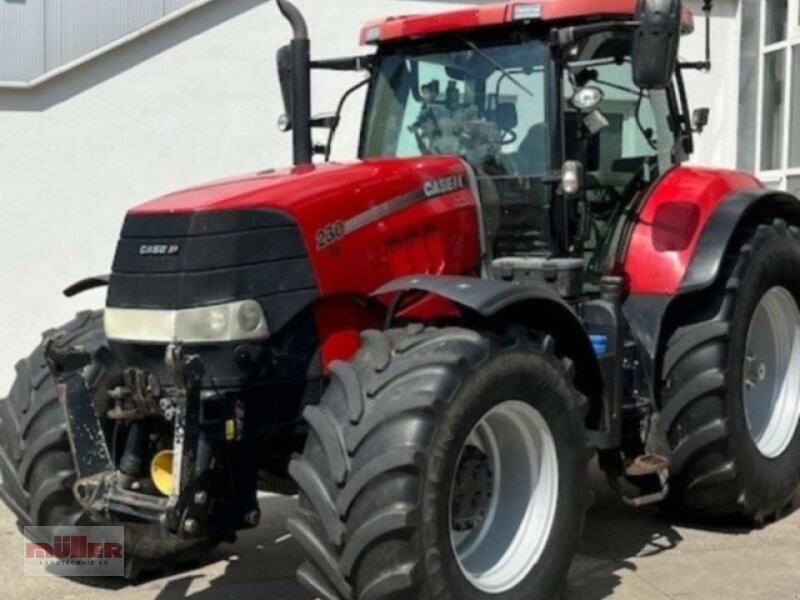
(719, 89)
(194, 101)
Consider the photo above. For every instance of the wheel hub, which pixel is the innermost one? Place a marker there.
(755, 371)
(472, 493)
(771, 372)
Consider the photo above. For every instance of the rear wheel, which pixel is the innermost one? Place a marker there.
(442, 464)
(732, 397)
(36, 463)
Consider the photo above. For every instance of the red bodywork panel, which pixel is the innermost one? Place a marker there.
(363, 223)
(670, 222)
(394, 28)
(423, 236)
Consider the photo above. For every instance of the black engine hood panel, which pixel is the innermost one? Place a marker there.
(174, 261)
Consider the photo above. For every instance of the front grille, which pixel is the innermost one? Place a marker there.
(199, 259)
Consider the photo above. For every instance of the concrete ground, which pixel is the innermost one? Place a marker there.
(626, 554)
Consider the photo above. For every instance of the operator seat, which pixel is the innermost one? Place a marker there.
(531, 156)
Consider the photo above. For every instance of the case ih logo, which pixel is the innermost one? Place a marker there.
(74, 551)
(437, 187)
(159, 249)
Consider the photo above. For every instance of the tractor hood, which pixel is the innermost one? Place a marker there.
(286, 237)
(338, 190)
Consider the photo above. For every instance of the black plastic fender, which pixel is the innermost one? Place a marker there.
(534, 306)
(721, 226)
(485, 296)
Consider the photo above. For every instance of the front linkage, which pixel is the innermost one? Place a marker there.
(188, 491)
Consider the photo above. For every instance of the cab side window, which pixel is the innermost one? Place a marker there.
(621, 135)
(628, 136)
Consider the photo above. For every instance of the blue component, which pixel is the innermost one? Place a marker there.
(600, 344)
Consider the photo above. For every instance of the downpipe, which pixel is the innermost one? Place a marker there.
(301, 83)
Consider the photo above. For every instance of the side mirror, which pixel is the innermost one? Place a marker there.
(655, 42)
(285, 76)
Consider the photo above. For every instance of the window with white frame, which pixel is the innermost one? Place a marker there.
(769, 103)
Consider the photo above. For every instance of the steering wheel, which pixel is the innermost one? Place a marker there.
(509, 137)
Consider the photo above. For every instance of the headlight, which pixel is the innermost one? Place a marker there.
(250, 316)
(235, 321)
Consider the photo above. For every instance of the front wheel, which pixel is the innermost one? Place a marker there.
(442, 463)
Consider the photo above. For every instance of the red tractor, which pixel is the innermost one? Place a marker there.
(430, 343)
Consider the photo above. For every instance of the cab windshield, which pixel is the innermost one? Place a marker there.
(483, 101)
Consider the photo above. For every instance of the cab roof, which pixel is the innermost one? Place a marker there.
(415, 26)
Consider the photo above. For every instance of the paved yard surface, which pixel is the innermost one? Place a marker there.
(626, 554)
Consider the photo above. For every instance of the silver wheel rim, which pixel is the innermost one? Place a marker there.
(499, 552)
(771, 381)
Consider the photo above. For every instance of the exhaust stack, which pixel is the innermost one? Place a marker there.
(299, 103)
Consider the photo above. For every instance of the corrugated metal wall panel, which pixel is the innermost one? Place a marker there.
(39, 36)
(173, 5)
(21, 39)
(77, 27)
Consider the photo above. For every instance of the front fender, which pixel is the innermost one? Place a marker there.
(484, 296)
(537, 307)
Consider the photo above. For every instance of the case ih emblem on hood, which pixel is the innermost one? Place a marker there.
(437, 187)
(159, 249)
(333, 232)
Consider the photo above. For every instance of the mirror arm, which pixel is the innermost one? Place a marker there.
(349, 63)
(708, 5)
(326, 122)
(337, 119)
(567, 36)
(685, 119)
(703, 65)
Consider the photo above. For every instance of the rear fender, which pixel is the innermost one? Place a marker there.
(652, 317)
(738, 209)
(535, 307)
(668, 227)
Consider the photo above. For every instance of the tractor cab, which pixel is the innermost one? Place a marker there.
(517, 108)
